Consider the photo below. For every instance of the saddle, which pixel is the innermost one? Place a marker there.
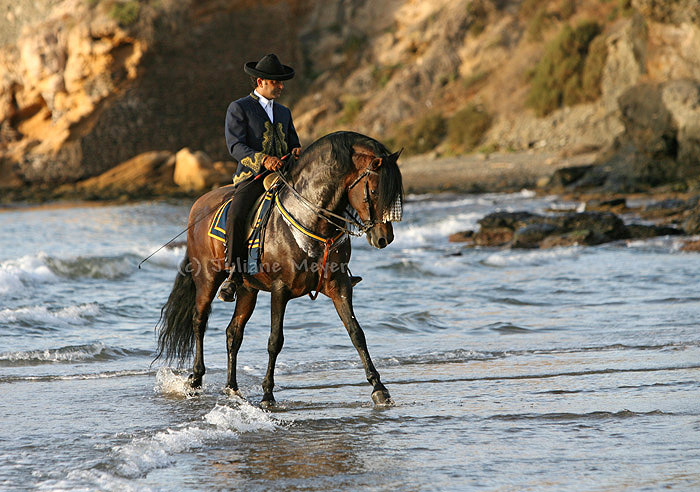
(255, 223)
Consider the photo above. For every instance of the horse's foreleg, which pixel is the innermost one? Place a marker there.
(245, 304)
(280, 297)
(340, 292)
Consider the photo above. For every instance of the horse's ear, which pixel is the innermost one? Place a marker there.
(376, 162)
(395, 156)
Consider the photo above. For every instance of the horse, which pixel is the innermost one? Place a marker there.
(306, 247)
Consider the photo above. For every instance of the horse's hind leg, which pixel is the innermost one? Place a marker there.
(340, 292)
(199, 325)
(280, 297)
(245, 304)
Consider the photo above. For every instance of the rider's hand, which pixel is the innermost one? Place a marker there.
(272, 163)
(296, 151)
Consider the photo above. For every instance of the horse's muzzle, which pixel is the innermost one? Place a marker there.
(381, 235)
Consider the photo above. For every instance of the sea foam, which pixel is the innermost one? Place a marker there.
(42, 316)
(531, 258)
(17, 274)
(222, 423)
(75, 353)
(409, 236)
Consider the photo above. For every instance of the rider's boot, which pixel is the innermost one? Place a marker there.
(227, 292)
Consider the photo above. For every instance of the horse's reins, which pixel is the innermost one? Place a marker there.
(327, 215)
(186, 229)
(320, 212)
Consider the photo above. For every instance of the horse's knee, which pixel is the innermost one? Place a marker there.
(274, 345)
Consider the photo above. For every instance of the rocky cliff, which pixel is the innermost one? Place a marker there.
(88, 84)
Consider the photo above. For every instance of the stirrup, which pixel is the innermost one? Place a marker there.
(227, 292)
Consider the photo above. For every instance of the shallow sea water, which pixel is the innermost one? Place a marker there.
(567, 369)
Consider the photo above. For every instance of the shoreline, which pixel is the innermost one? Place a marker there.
(470, 173)
(422, 174)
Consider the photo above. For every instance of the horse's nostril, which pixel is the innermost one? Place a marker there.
(382, 242)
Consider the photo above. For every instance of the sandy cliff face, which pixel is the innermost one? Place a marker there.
(82, 89)
(82, 92)
(56, 81)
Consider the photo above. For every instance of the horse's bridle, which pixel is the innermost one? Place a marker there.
(330, 216)
(370, 210)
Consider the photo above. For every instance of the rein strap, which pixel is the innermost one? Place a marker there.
(328, 242)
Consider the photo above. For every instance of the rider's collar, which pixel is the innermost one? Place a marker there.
(260, 98)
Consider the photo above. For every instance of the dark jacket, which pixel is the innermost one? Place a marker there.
(250, 135)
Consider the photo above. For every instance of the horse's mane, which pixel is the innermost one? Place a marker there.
(341, 152)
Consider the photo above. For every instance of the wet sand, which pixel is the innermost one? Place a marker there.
(484, 173)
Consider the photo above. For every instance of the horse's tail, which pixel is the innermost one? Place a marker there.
(175, 329)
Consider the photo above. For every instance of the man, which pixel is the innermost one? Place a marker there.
(258, 133)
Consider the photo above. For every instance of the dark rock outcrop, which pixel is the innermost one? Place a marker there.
(527, 230)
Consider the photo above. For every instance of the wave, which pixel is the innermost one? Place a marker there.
(96, 267)
(223, 422)
(434, 231)
(168, 257)
(506, 328)
(467, 355)
(428, 266)
(448, 357)
(530, 258)
(17, 275)
(94, 352)
(660, 244)
(565, 416)
(42, 318)
(79, 377)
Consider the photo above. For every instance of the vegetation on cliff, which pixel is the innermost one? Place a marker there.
(92, 83)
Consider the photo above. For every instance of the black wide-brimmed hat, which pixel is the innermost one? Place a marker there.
(269, 67)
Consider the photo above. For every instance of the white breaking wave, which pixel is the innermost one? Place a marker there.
(87, 480)
(18, 274)
(410, 236)
(672, 244)
(63, 354)
(531, 258)
(41, 315)
(167, 257)
(222, 423)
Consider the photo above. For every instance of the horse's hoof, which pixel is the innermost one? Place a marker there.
(381, 397)
(267, 403)
(195, 383)
(232, 393)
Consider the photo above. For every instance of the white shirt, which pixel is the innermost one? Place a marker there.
(266, 105)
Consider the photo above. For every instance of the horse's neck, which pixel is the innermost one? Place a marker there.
(321, 193)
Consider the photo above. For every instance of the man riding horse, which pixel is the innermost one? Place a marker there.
(259, 132)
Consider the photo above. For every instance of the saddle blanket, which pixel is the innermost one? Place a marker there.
(217, 229)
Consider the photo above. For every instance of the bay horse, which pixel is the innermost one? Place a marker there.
(306, 247)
